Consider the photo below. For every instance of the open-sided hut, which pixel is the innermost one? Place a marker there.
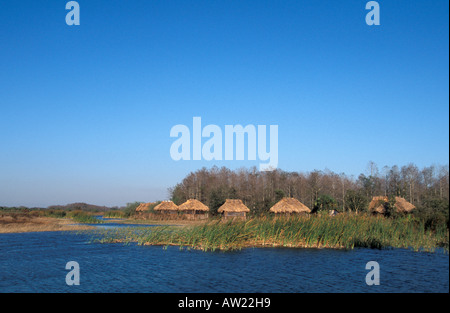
(233, 208)
(288, 206)
(194, 209)
(378, 205)
(166, 207)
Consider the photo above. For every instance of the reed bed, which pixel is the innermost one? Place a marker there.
(83, 217)
(115, 214)
(342, 231)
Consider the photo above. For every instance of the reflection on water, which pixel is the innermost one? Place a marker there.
(35, 262)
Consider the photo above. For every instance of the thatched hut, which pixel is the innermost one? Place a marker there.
(166, 207)
(288, 206)
(403, 206)
(194, 209)
(378, 205)
(233, 208)
(144, 207)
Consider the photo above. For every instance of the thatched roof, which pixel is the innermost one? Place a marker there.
(377, 205)
(166, 206)
(193, 204)
(233, 205)
(144, 207)
(289, 205)
(403, 206)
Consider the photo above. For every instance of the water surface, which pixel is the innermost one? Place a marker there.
(35, 262)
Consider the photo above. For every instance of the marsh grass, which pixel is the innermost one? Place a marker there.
(115, 214)
(83, 217)
(342, 231)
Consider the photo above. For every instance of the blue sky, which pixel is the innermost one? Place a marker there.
(86, 111)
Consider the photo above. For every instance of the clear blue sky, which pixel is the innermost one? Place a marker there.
(86, 111)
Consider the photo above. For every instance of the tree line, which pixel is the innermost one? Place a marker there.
(79, 206)
(426, 188)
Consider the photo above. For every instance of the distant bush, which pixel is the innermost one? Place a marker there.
(114, 214)
(83, 217)
(79, 206)
(434, 213)
(130, 208)
(324, 203)
(54, 213)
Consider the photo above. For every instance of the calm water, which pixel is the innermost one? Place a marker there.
(35, 262)
(111, 223)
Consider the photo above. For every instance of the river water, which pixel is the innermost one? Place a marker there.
(35, 262)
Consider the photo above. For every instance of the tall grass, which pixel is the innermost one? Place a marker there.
(115, 214)
(342, 231)
(83, 217)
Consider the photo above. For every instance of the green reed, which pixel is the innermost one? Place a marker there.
(115, 214)
(83, 217)
(316, 231)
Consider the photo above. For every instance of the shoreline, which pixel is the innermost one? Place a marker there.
(10, 225)
(262, 245)
(173, 222)
(344, 232)
(318, 233)
(29, 224)
(239, 247)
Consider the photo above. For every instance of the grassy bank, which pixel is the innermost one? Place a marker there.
(343, 231)
(21, 223)
(77, 216)
(48, 220)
